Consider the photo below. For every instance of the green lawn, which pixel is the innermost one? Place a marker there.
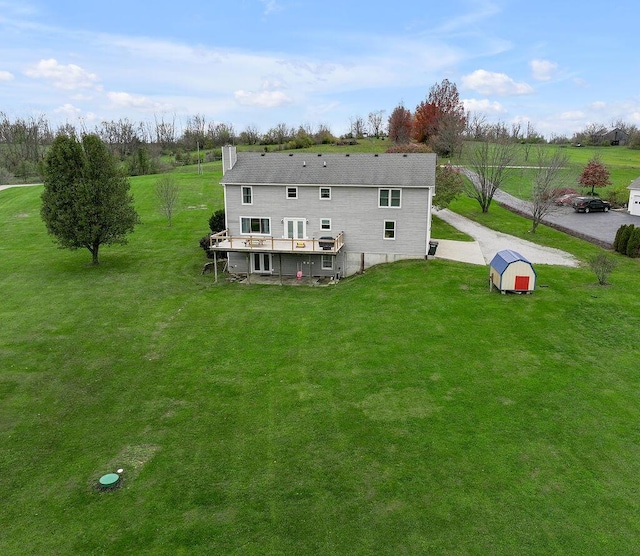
(405, 411)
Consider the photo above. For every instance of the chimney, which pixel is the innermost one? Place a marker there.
(229, 158)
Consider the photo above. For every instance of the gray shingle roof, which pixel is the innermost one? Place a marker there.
(407, 170)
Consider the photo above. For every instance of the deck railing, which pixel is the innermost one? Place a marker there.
(224, 241)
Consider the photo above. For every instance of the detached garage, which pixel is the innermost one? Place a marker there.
(511, 272)
(634, 197)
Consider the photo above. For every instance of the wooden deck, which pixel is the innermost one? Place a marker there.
(222, 241)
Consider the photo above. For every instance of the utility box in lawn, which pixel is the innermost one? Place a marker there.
(509, 271)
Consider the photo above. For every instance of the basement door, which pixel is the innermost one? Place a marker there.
(261, 263)
(522, 282)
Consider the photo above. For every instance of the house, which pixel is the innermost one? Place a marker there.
(509, 271)
(326, 215)
(634, 197)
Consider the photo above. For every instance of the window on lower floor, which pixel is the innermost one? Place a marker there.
(325, 223)
(389, 229)
(327, 262)
(255, 225)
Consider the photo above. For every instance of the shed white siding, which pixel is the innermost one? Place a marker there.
(510, 271)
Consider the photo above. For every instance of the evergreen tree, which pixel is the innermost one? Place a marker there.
(624, 238)
(633, 245)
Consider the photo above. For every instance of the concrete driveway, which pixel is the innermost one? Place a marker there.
(488, 242)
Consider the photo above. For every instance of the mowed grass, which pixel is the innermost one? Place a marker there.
(405, 411)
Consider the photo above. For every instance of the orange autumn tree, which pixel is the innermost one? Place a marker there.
(440, 119)
(595, 174)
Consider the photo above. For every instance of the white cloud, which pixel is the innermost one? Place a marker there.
(68, 110)
(139, 102)
(271, 6)
(543, 70)
(572, 115)
(491, 83)
(484, 106)
(264, 99)
(67, 77)
(6, 76)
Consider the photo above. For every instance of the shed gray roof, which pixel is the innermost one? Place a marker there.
(406, 170)
(635, 184)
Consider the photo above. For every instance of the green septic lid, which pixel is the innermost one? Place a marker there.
(109, 480)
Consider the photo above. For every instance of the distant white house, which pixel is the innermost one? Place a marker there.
(634, 197)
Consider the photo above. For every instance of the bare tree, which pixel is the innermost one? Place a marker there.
(375, 120)
(167, 193)
(476, 126)
(195, 132)
(121, 136)
(449, 138)
(67, 129)
(489, 163)
(357, 126)
(591, 135)
(222, 134)
(165, 132)
(24, 141)
(602, 265)
(250, 135)
(323, 135)
(547, 180)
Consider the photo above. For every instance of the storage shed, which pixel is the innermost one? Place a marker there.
(511, 272)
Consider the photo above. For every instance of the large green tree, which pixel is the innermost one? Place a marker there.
(86, 200)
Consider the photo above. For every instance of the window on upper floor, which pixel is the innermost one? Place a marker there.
(292, 192)
(389, 229)
(247, 195)
(325, 193)
(389, 198)
(252, 225)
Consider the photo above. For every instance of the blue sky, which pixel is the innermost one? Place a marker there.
(560, 65)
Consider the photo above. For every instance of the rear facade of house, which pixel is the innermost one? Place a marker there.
(328, 215)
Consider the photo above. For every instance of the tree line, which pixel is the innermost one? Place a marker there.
(439, 122)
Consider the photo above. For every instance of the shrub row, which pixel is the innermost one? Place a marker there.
(627, 240)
